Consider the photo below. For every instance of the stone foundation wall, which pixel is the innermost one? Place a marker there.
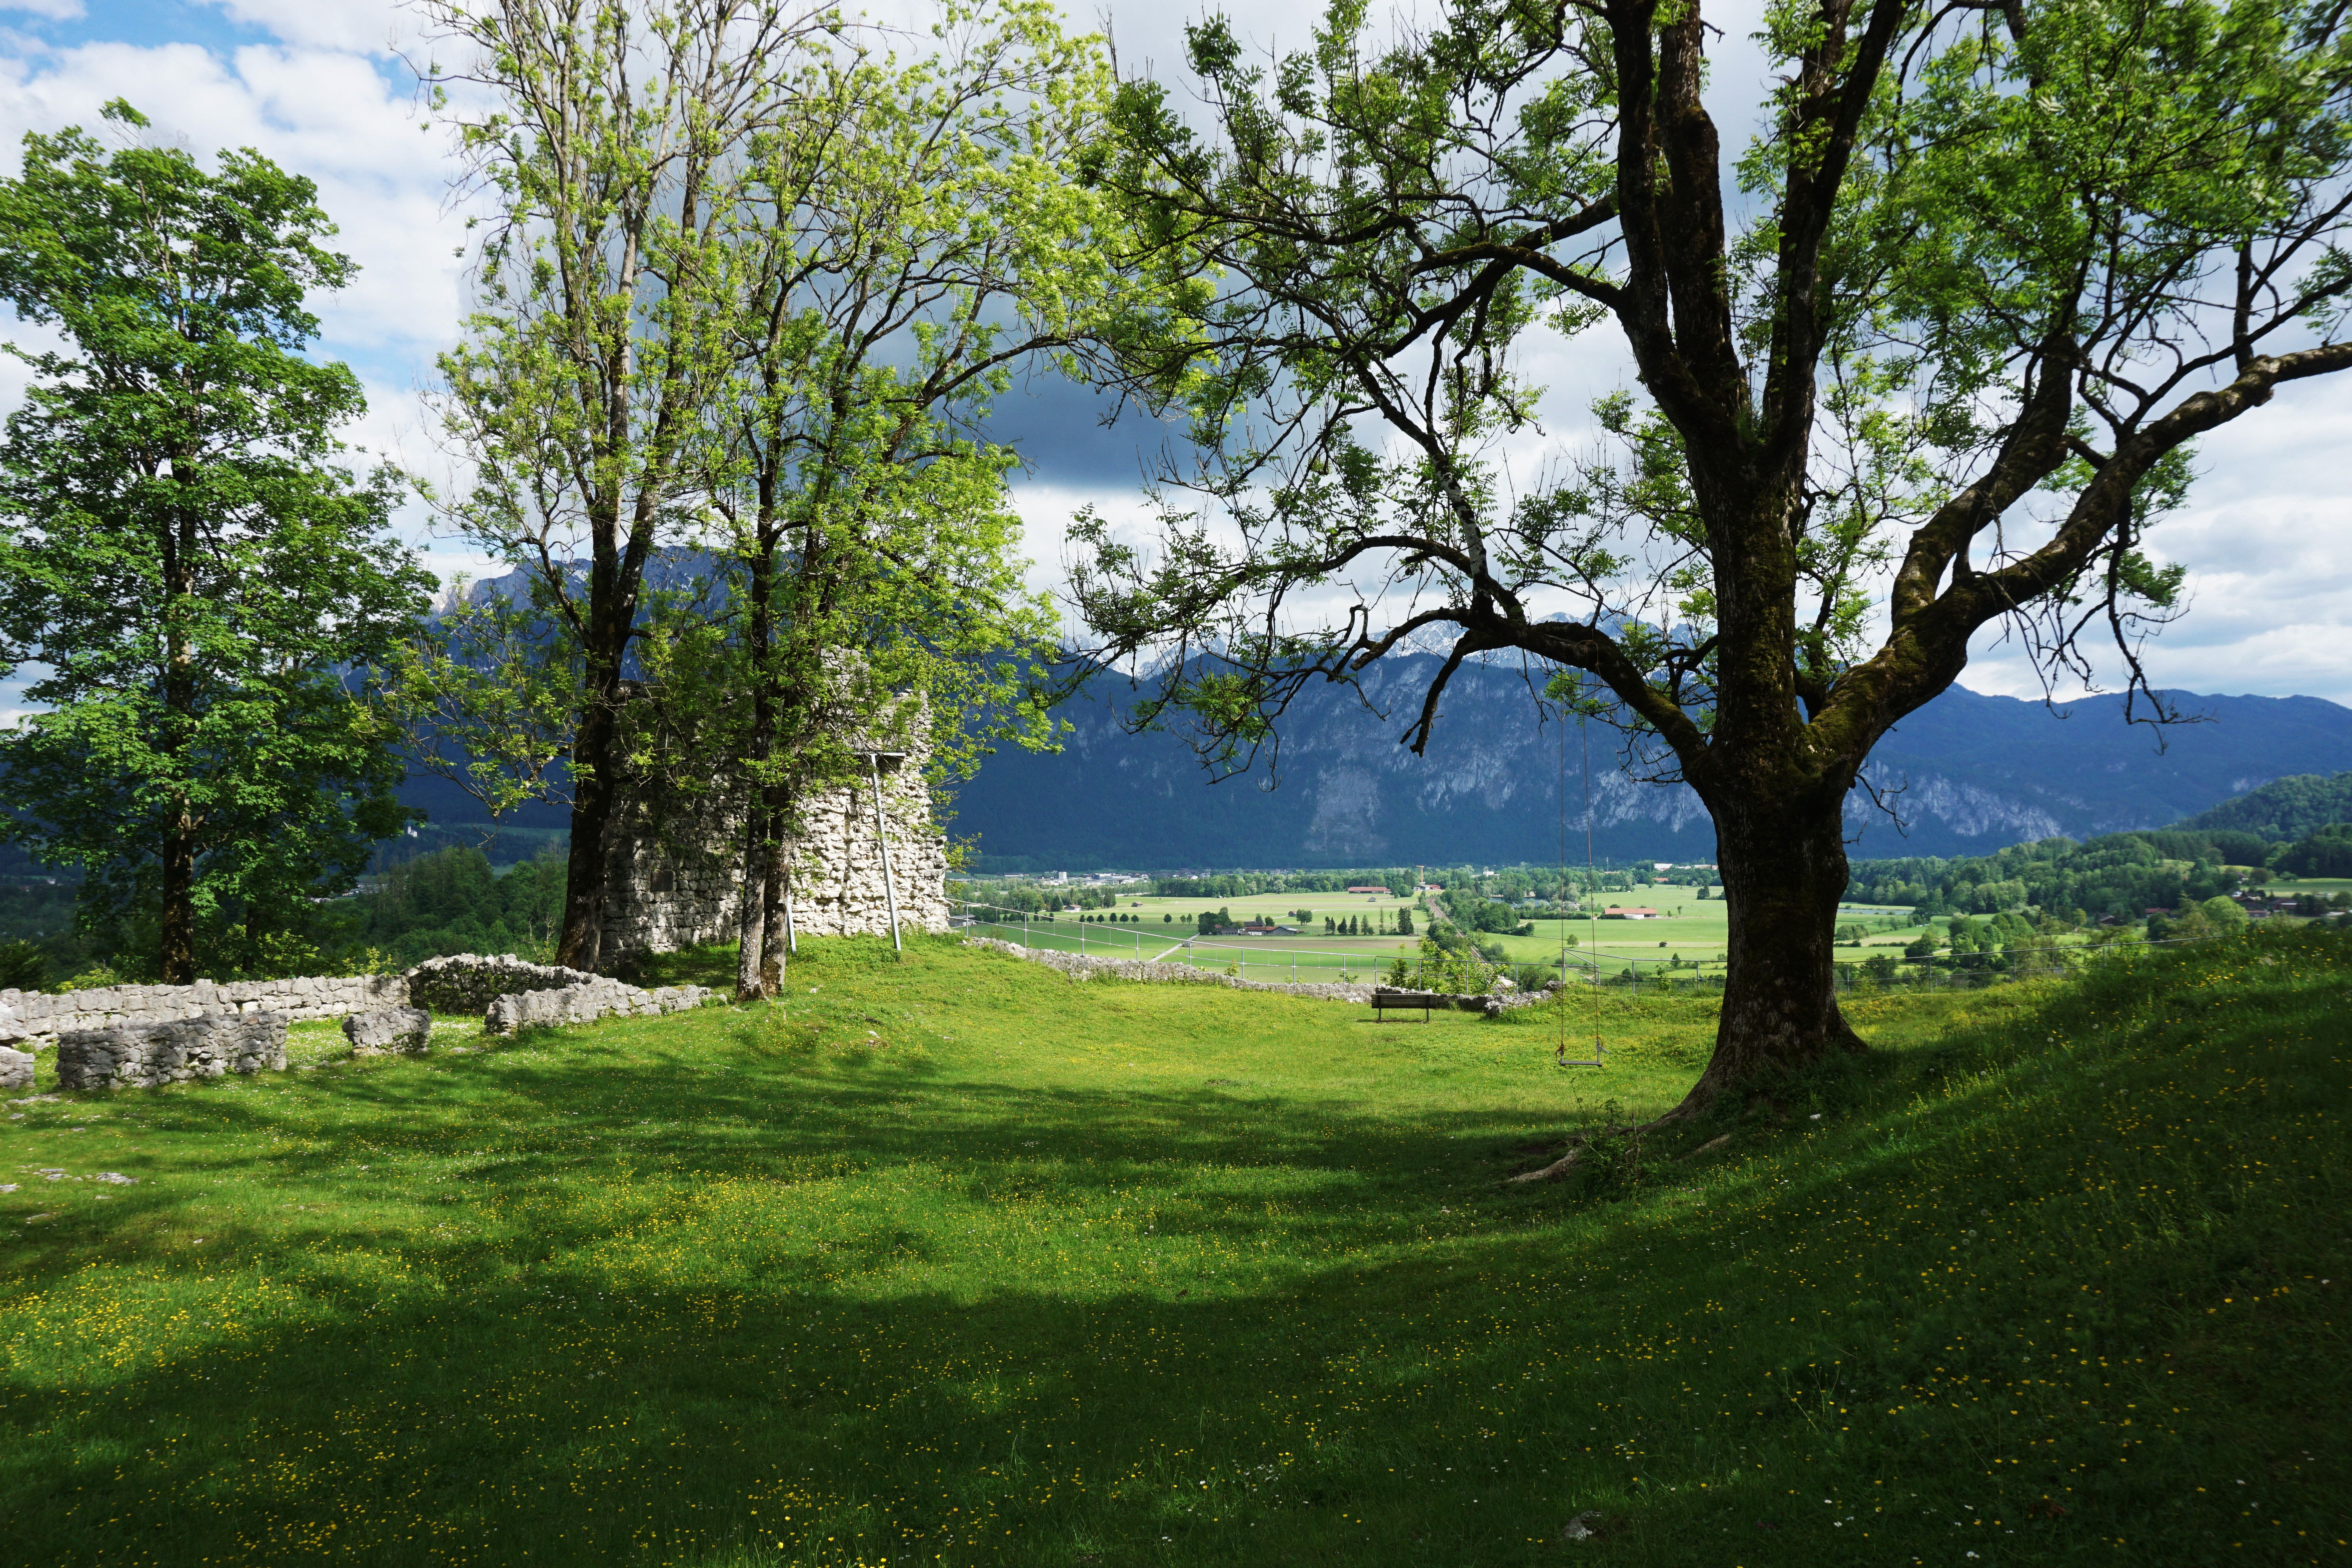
(144, 1055)
(39, 1018)
(102, 1051)
(678, 883)
(1084, 966)
(585, 1004)
(395, 1031)
(467, 983)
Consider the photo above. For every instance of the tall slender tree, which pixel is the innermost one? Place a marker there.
(915, 233)
(182, 550)
(614, 145)
(1988, 272)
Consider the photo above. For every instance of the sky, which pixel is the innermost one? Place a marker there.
(326, 88)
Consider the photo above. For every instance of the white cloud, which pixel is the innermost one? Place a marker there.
(51, 10)
(358, 27)
(332, 116)
(2264, 538)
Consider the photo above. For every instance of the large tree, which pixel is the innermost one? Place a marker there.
(1929, 351)
(181, 555)
(917, 235)
(613, 140)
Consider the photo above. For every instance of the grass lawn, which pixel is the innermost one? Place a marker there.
(1281, 959)
(967, 1262)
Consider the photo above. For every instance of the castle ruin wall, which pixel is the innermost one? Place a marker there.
(676, 882)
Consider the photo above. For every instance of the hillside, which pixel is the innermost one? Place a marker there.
(968, 1263)
(1972, 773)
(2282, 810)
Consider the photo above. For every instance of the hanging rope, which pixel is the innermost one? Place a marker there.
(1593, 927)
(1560, 890)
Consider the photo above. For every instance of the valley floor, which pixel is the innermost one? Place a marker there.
(961, 1261)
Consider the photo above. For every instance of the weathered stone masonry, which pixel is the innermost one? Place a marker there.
(149, 1034)
(32, 1020)
(676, 882)
(146, 1055)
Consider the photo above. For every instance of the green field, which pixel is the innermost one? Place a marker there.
(1691, 928)
(1691, 935)
(1309, 956)
(1279, 960)
(966, 1262)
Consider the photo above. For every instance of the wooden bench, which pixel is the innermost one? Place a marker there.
(1406, 1001)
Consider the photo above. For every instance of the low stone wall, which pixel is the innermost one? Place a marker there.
(33, 1020)
(176, 1050)
(469, 982)
(596, 998)
(396, 1031)
(147, 1034)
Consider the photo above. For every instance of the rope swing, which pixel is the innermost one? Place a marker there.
(1592, 925)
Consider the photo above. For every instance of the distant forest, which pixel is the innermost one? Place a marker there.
(447, 901)
(2122, 874)
(2283, 811)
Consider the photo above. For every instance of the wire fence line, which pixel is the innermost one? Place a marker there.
(1417, 970)
(1241, 959)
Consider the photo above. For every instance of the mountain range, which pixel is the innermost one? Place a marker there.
(1967, 775)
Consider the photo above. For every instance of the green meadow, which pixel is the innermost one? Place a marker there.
(956, 1261)
(1690, 929)
(1158, 929)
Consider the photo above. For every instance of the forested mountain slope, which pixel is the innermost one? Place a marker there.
(2282, 809)
(1967, 775)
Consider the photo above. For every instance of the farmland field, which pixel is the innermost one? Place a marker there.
(1166, 930)
(1163, 929)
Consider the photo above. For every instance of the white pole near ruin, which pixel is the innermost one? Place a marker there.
(881, 833)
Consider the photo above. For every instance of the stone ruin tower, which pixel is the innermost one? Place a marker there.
(674, 876)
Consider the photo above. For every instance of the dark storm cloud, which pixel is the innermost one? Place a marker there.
(1058, 427)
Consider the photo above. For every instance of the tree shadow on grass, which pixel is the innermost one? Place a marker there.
(705, 1339)
(595, 1382)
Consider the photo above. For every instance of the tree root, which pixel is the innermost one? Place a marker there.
(1634, 1131)
(1578, 1143)
(1560, 1167)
